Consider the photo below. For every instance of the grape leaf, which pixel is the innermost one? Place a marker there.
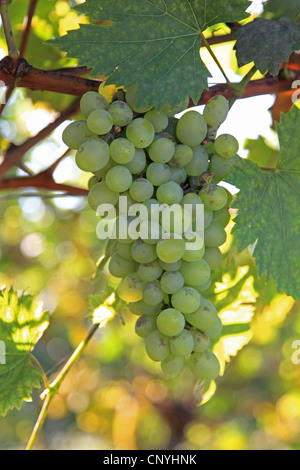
(22, 323)
(261, 153)
(267, 43)
(153, 43)
(269, 209)
(275, 9)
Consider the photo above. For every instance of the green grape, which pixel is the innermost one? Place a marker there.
(191, 128)
(170, 267)
(198, 163)
(149, 272)
(121, 230)
(151, 310)
(182, 156)
(182, 344)
(141, 190)
(142, 252)
(195, 273)
(100, 194)
(134, 308)
(161, 150)
(226, 146)
(171, 282)
(152, 204)
(186, 300)
(216, 111)
(169, 193)
(140, 132)
(137, 165)
(172, 365)
(174, 219)
(204, 317)
(158, 173)
(194, 200)
(100, 121)
(209, 147)
(122, 151)
(131, 97)
(121, 113)
(194, 250)
(76, 133)
(124, 250)
(170, 250)
(166, 135)
(214, 235)
(178, 175)
(203, 287)
(216, 329)
(170, 322)
(92, 181)
(201, 341)
(229, 198)
(182, 106)
(118, 178)
(222, 216)
(204, 366)
(140, 210)
(120, 267)
(157, 346)
(131, 288)
(92, 101)
(213, 257)
(158, 119)
(145, 325)
(125, 205)
(214, 197)
(102, 173)
(220, 167)
(152, 294)
(193, 255)
(92, 155)
(150, 232)
(208, 218)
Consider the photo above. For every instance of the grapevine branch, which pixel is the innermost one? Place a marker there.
(61, 81)
(15, 153)
(43, 180)
(12, 50)
(27, 27)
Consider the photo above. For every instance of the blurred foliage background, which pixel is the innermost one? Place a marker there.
(115, 398)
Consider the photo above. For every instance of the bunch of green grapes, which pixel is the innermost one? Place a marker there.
(157, 161)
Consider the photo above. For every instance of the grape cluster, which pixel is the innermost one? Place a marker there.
(155, 159)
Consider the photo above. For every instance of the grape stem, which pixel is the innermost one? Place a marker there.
(27, 27)
(238, 89)
(206, 43)
(53, 388)
(12, 50)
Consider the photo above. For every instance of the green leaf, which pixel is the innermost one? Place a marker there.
(261, 153)
(153, 43)
(267, 43)
(275, 9)
(22, 323)
(269, 209)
